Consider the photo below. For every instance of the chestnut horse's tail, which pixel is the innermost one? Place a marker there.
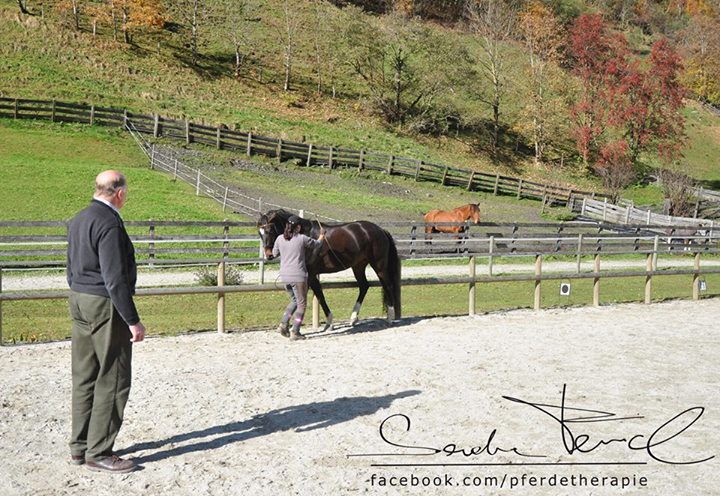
(391, 294)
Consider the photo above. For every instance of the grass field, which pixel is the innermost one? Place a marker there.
(47, 171)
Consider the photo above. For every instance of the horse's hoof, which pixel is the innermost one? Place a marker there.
(328, 324)
(354, 319)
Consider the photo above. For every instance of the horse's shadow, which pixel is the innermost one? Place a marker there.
(300, 418)
(365, 325)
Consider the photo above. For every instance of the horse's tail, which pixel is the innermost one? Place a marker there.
(393, 271)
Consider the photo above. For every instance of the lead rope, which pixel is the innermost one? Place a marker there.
(330, 247)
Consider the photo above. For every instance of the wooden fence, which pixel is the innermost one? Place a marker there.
(630, 215)
(305, 153)
(488, 240)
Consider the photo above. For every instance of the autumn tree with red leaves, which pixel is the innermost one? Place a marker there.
(626, 106)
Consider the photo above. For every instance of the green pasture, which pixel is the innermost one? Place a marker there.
(48, 320)
(47, 172)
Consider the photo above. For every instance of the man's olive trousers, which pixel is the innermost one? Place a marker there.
(101, 374)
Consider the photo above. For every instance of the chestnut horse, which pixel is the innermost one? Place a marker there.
(471, 211)
(352, 245)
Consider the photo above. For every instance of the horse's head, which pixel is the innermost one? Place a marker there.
(270, 226)
(475, 213)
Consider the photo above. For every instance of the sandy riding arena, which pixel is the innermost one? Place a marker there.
(587, 401)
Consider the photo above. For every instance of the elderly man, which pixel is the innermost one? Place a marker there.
(101, 272)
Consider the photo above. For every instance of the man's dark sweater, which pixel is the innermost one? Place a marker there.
(101, 258)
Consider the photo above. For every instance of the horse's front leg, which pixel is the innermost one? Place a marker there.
(363, 285)
(314, 284)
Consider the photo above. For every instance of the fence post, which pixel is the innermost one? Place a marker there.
(579, 251)
(471, 289)
(627, 214)
(175, 170)
(584, 206)
(656, 245)
(125, 119)
(330, 158)
(491, 249)
(218, 138)
(152, 156)
(648, 279)
(151, 245)
(309, 155)
(647, 222)
(248, 150)
(604, 209)
(92, 114)
(261, 267)
(417, 170)
(413, 238)
(444, 176)
(187, 132)
(315, 312)
(470, 181)
(197, 184)
(52, 114)
(1, 314)
(497, 184)
(16, 112)
(361, 162)
(225, 198)
(519, 190)
(696, 278)
(596, 281)
(221, 298)
(538, 281)
(278, 153)
(390, 165)
(156, 126)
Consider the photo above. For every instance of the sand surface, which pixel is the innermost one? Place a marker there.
(251, 413)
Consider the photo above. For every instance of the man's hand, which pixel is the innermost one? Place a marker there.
(322, 233)
(138, 332)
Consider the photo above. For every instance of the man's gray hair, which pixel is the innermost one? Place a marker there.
(108, 188)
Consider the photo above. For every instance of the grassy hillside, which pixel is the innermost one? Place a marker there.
(47, 172)
(41, 59)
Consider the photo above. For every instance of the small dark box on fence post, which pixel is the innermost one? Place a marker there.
(564, 289)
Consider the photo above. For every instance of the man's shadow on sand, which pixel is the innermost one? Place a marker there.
(300, 418)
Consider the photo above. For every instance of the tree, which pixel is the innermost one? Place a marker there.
(701, 43)
(326, 24)
(292, 17)
(646, 105)
(540, 31)
(235, 22)
(494, 22)
(597, 58)
(124, 15)
(404, 66)
(194, 15)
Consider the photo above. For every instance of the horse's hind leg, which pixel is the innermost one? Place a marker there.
(388, 290)
(363, 285)
(314, 284)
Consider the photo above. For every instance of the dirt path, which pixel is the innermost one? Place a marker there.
(252, 413)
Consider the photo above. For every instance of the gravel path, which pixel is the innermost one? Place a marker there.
(28, 280)
(251, 413)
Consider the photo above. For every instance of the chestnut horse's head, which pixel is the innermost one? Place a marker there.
(474, 213)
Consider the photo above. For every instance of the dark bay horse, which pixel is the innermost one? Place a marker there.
(471, 211)
(352, 245)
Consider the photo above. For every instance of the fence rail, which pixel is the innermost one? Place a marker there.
(696, 273)
(630, 215)
(306, 153)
